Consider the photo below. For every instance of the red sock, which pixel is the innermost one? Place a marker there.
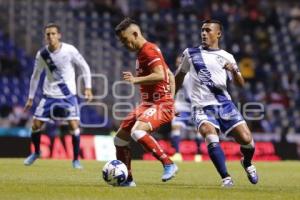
(124, 155)
(151, 145)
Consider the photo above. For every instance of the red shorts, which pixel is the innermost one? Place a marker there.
(153, 114)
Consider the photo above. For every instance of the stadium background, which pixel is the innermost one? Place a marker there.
(264, 36)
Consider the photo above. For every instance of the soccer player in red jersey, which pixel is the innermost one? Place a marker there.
(157, 88)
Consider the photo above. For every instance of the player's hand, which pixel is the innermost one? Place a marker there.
(88, 95)
(127, 76)
(28, 105)
(230, 67)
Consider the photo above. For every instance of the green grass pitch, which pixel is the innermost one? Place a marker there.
(56, 179)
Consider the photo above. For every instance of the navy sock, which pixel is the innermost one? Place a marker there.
(198, 143)
(248, 155)
(36, 140)
(76, 146)
(217, 156)
(175, 142)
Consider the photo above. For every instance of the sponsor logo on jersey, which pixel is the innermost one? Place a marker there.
(205, 77)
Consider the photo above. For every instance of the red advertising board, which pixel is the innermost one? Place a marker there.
(188, 149)
(91, 150)
(62, 148)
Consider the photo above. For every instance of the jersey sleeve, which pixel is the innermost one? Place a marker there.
(153, 56)
(35, 77)
(235, 65)
(184, 65)
(79, 61)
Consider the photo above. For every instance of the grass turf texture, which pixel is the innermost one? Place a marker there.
(56, 179)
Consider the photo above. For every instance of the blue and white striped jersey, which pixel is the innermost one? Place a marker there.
(60, 72)
(208, 78)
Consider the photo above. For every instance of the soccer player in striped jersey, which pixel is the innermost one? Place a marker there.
(157, 89)
(59, 101)
(213, 111)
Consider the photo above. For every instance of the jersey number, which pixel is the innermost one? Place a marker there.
(150, 112)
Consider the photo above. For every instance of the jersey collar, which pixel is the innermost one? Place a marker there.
(209, 49)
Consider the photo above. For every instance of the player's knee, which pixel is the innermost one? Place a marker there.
(37, 125)
(75, 132)
(248, 141)
(36, 128)
(206, 129)
(137, 134)
(249, 145)
(246, 138)
(73, 124)
(123, 134)
(120, 142)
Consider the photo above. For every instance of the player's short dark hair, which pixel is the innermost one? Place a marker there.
(52, 25)
(124, 24)
(213, 21)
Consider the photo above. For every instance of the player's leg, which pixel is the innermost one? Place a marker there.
(75, 132)
(41, 115)
(123, 153)
(198, 141)
(216, 154)
(196, 136)
(140, 133)
(206, 120)
(63, 128)
(237, 127)
(243, 136)
(122, 142)
(35, 139)
(178, 125)
(175, 140)
(36, 134)
(67, 109)
(50, 130)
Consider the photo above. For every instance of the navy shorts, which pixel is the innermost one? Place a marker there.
(224, 117)
(57, 109)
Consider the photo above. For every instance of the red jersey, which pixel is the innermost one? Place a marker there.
(149, 57)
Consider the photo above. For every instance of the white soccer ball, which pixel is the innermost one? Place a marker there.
(115, 172)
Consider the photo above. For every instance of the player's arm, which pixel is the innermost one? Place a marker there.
(172, 82)
(181, 71)
(236, 74)
(34, 80)
(86, 73)
(156, 76)
(179, 77)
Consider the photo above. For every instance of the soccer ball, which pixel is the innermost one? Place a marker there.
(115, 172)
